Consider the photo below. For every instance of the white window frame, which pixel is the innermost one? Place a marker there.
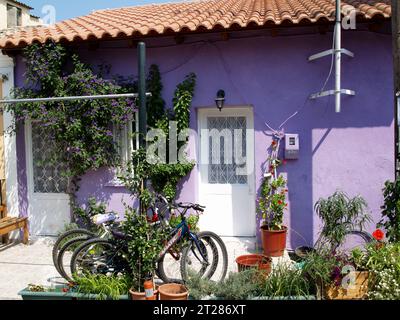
(18, 16)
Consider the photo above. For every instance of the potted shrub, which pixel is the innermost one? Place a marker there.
(272, 205)
(283, 283)
(238, 286)
(90, 287)
(337, 276)
(145, 242)
(103, 287)
(340, 214)
(287, 283)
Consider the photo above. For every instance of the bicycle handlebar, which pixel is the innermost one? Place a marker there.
(193, 206)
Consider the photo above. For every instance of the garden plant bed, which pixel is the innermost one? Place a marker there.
(263, 298)
(59, 294)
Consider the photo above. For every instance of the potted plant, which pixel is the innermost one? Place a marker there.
(338, 276)
(272, 205)
(258, 261)
(145, 242)
(340, 214)
(90, 287)
(283, 283)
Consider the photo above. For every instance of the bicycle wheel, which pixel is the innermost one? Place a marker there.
(169, 267)
(65, 237)
(216, 250)
(97, 256)
(65, 255)
(354, 239)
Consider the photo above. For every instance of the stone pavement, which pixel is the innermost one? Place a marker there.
(21, 265)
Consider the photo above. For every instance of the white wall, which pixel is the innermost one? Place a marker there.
(3, 15)
(27, 20)
(7, 69)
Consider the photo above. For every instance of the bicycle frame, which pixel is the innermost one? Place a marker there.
(180, 232)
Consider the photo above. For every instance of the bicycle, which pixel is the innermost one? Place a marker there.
(321, 242)
(69, 240)
(104, 255)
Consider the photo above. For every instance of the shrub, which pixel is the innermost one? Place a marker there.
(391, 210)
(105, 286)
(286, 282)
(341, 214)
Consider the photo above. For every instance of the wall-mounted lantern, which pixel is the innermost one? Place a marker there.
(220, 99)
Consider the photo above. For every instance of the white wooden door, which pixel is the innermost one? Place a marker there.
(48, 203)
(227, 183)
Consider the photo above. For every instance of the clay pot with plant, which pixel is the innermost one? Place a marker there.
(272, 204)
(144, 246)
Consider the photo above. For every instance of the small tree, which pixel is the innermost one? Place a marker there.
(145, 243)
(339, 215)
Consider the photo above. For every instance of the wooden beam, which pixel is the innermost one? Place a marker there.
(274, 32)
(93, 46)
(225, 36)
(179, 39)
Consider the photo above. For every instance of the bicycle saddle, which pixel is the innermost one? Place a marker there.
(104, 218)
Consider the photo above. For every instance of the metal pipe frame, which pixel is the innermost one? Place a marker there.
(58, 99)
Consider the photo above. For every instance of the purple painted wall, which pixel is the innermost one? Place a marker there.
(352, 150)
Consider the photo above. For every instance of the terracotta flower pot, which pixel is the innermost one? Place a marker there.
(141, 295)
(173, 291)
(274, 241)
(360, 290)
(259, 261)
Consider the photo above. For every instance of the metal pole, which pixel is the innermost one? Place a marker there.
(56, 99)
(142, 108)
(142, 94)
(338, 57)
(396, 64)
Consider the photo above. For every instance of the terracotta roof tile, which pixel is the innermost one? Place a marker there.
(191, 16)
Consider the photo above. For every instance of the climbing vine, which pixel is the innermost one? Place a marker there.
(164, 177)
(81, 129)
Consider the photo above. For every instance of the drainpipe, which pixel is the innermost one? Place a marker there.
(142, 94)
(396, 65)
(142, 107)
(338, 57)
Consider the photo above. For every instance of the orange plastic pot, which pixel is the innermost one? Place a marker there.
(173, 291)
(273, 241)
(259, 261)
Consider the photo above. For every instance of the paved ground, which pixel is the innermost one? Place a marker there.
(21, 265)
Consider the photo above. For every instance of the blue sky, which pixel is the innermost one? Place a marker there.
(72, 8)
